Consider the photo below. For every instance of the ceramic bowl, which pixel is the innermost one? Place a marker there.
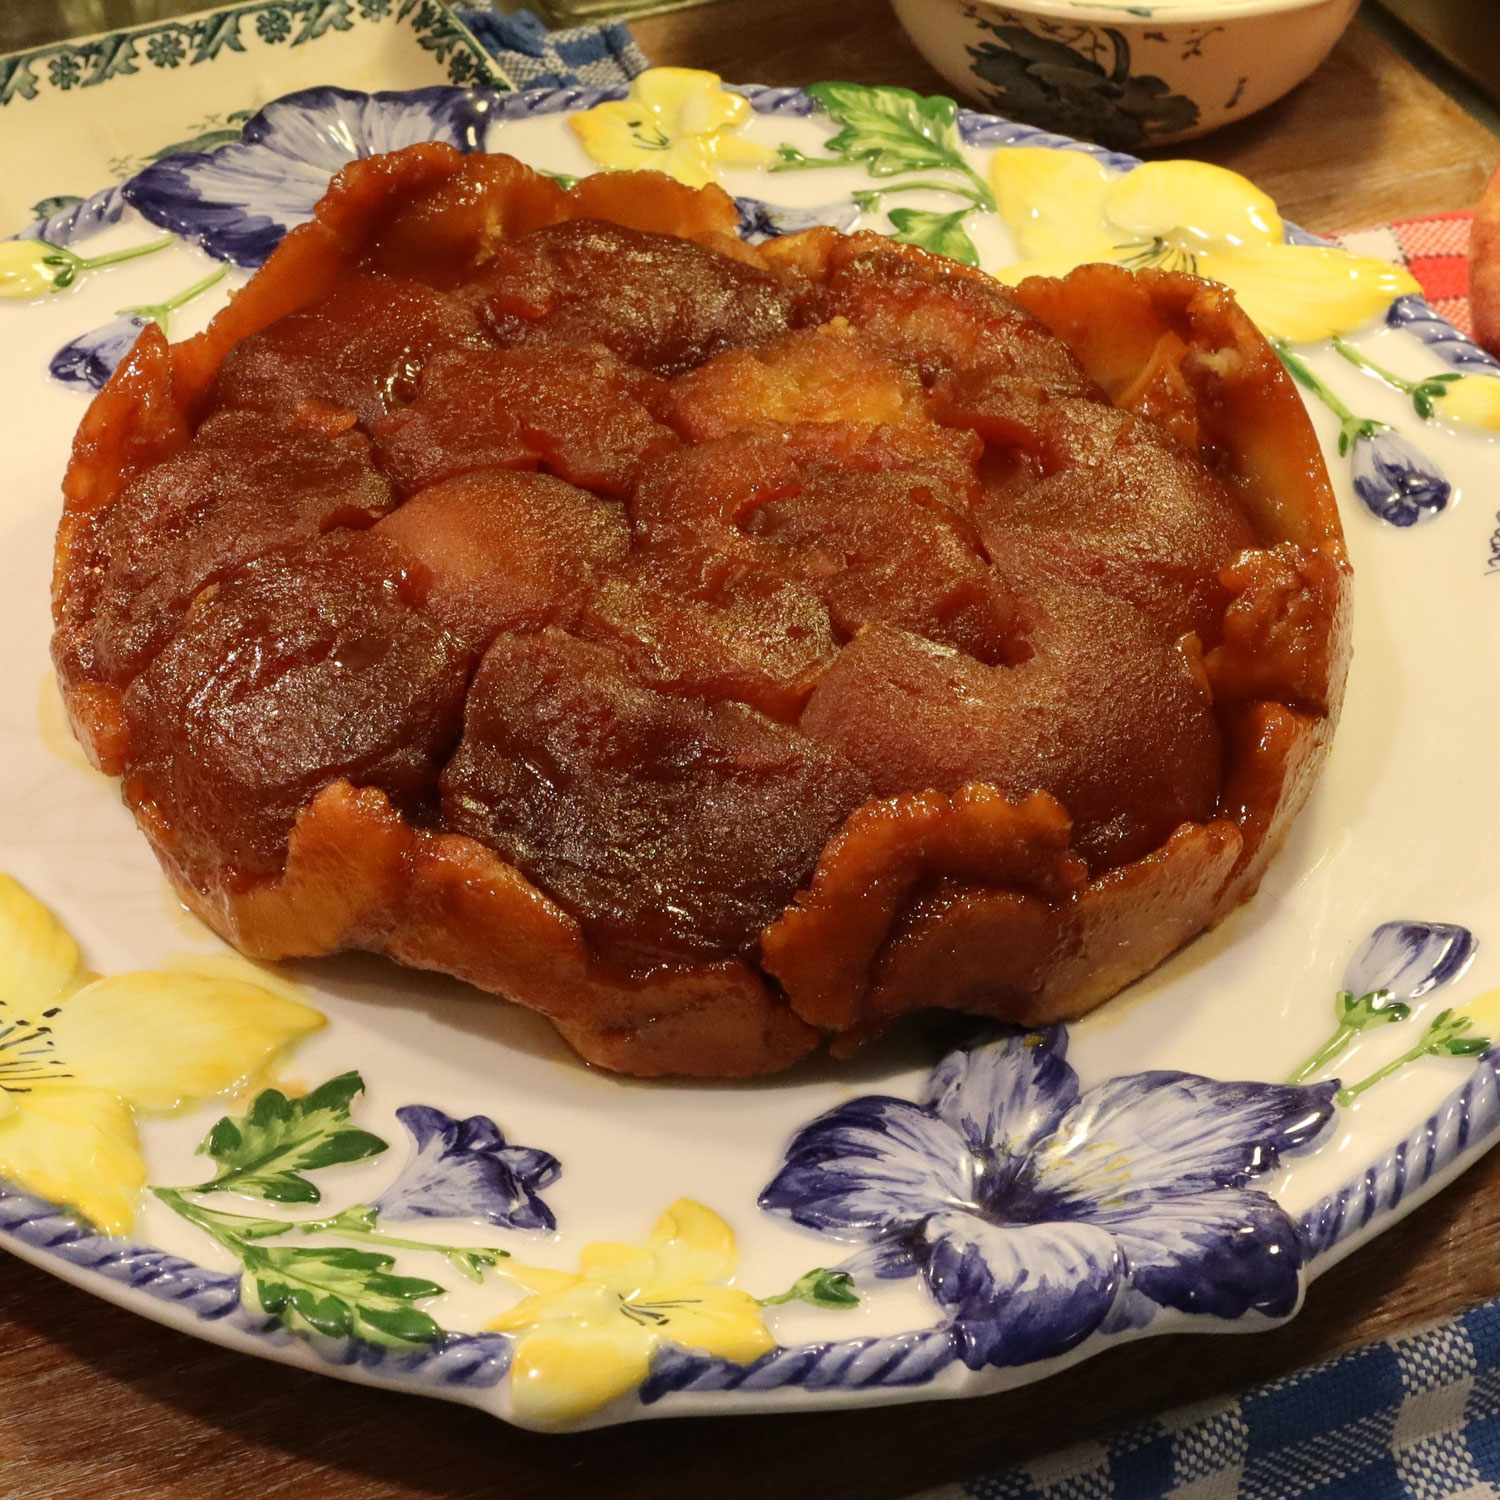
(1127, 75)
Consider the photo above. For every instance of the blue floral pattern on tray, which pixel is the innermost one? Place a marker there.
(456, 1360)
(1410, 959)
(1419, 318)
(463, 1169)
(239, 201)
(91, 358)
(1038, 1214)
(1393, 970)
(760, 220)
(1395, 479)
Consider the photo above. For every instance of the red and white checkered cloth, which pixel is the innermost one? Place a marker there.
(1435, 250)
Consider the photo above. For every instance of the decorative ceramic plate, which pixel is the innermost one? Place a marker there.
(396, 1179)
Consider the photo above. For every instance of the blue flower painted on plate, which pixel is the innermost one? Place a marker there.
(1409, 959)
(1397, 965)
(90, 359)
(463, 1169)
(1039, 1214)
(760, 220)
(238, 202)
(1395, 479)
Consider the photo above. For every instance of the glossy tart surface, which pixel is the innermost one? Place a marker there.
(716, 648)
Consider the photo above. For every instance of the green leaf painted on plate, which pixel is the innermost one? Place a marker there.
(1378, 1008)
(265, 1151)
(1448, 1034)
(819, 1288)
(205, 142)
(341, 1293)
(890, 129)
(942, 233)
(360, 1221)
(1469, 1046)
(49, 206)
(1425, 393)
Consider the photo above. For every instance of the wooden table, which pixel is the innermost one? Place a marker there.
(97, 1404)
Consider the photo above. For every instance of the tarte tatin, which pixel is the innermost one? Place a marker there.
(716, 648)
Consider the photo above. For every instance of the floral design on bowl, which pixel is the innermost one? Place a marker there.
(238, 201)
(1039, 1214)
(1078, 82)
(1125, 74)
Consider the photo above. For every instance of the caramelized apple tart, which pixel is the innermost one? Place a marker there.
(716, 648)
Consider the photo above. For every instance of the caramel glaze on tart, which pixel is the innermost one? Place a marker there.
(715, 648)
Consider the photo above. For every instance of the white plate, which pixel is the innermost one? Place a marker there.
(1221, 1233)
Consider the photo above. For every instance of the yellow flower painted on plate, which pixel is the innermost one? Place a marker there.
(1484, 1013)
(1469, 401)
(680, 121)
(28, 268)
(79, 1057)
(1065, 209)
(585, 1339)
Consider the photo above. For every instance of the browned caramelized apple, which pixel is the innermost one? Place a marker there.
(716, 648)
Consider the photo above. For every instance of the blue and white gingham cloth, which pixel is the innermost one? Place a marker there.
(534, 58)
(1416, 1417)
